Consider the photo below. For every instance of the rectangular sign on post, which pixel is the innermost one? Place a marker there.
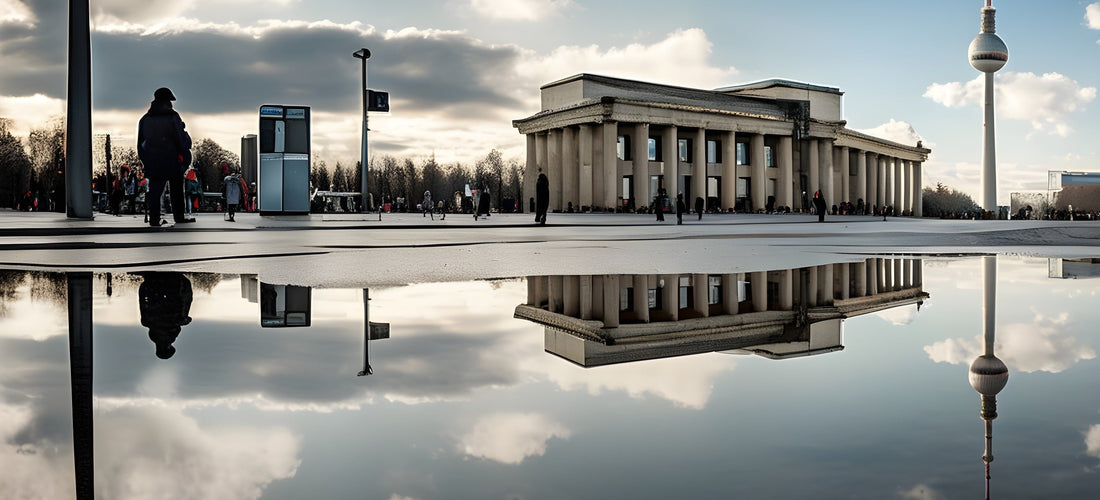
(378, 101)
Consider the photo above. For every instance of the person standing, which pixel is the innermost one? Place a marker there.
(819, 206)
(232, 191)
(542, 198)
(659, 205)
(164, 147)
(700, 205)
(426, 205)
(681, 207)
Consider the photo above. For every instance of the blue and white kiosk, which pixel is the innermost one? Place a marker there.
(283, 180)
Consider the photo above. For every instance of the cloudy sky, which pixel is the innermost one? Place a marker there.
(459, 71)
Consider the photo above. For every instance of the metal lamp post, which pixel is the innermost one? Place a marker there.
(363, 54)
(78, 122)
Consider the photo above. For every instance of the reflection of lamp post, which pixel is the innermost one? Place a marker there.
(363, 54)
(371, 331)
(80, 379)
(988, 375)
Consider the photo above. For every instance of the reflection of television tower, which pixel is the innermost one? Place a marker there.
(988, 375)
(988, 53)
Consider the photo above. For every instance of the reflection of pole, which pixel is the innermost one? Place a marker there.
(78, 119)
(80, 373)
(366, 334)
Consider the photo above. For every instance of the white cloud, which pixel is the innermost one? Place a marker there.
(899, 316)
(30, 111)
(682, 58)
(685, 381)
(519, 10)
(16, 12)
(1092, 15)
(1042, 345)
(899, 132)
(510, 438)
(1092, 439)
(921, 492)
(1045, 101)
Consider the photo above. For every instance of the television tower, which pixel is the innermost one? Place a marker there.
(988, 53)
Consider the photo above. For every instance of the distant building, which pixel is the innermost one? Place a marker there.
(609, 143)
(1079, 189)
(606, 319)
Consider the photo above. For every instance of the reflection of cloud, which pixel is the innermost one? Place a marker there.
(510, 438)
(1044, 345)
(899, 316)
(920, 492)
(161, 453)
(685, 381)
(1092, 441)
(31, 470)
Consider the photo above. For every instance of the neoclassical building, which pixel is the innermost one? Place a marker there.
(607, 142)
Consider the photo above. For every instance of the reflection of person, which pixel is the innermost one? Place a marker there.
(165, 150)
(542, 198)
(164, 300)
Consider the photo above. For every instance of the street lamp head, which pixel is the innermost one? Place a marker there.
(363, 54)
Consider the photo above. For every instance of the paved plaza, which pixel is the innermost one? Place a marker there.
(338, 250)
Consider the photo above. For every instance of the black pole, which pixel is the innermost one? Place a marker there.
(80, 373)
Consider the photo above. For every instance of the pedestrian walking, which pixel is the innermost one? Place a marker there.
(164, 147)
(681, 207)
(542, 198)
(233, 194)
(819, 206)
(426, 205)
(700, 205)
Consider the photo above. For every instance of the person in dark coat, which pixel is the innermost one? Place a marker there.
(483, 203)
(700, 204)
(819, 206)
(164, 147)
(659, 205)
(542, 198)
(681, 207)
(164, 301)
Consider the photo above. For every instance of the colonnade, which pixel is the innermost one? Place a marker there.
(585, 170)
(643, 298)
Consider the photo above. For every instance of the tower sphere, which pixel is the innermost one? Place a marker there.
(988, 375)
(988, 53)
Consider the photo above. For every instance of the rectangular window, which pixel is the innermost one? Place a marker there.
(654, 296)
(623, 147)
(744, 291)
(684, 145)
(769, 156)
(742, 153)
(626, 299)
(715, 289)
(714, 151)
(687, 295)
(653, 149)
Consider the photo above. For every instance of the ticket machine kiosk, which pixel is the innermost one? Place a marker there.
(283, 181)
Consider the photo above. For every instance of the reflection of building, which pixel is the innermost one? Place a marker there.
(605, 319)
(1073, 268)
(284, 305)
(607, 142)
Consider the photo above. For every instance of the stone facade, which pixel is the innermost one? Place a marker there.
(610, 144)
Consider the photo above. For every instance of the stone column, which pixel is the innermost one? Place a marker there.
(786, 289)
(671, 147)
(861, 178)
(845, 175)
(883, 182)
(759, 282)
(670, 295)
(570, 165)
(918, 273)
(898, 284)
(641, 297)
(814, 179)
(828, 173)
(698, 169)
(554, 173)
(729, 294)
(610, 165)
(785, 158)
(861, 277)
(873, 276)
(556, 295)
(587, 295)
(729, 171)
(700, 287)
(828, 287)
(907, 172)
(898, 200)
(918, 191)
(585, 180)
(530, 172)
(641, 165)
(872, 181)
(845, 272)
(812, 291)
(611, 300)
(758, 174)
(571, 298)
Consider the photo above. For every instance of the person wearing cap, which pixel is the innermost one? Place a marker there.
(164, 147)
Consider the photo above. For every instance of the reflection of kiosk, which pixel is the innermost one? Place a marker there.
(284, 305)
(283, 182)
